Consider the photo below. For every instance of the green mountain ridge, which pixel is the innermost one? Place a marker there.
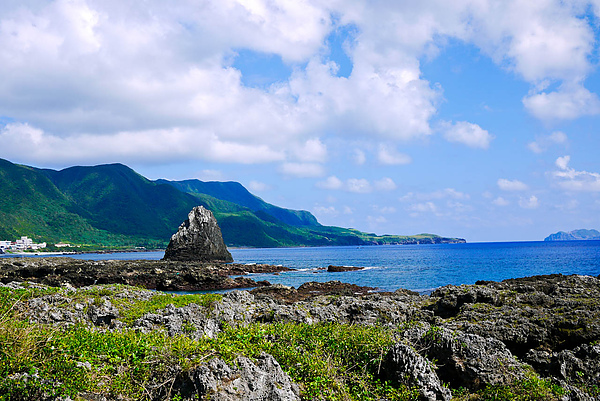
(113, 206)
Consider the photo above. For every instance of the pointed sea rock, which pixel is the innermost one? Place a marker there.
(199, 238)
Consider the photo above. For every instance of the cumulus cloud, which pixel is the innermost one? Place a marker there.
(390, 156)
(542, 143)
(468, 134)
(357, 185)
(449, 193)
(572, 180)
(90, 73)
(359, 157)
(529, 203)
(385, 184)
(313, 150)
(424, 207)
(500, 201)
(568, 103)
(302, 170)
(257, 186)
(331, 182)
(511, 185)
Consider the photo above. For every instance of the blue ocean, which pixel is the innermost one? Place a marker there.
(419, 268)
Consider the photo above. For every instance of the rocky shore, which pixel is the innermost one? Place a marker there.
(531, 338)
(150, 274)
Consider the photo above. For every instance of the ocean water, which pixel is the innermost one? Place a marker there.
(423, 268)
(419, 268)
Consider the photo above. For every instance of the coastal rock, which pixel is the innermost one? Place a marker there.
(336, 269)
(467, 360)
(242, 380)
(151, 274)
(543, 312)
(198, 238)
(404, 365)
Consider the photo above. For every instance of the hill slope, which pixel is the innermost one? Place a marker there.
(235, 192)
(575, 235)
(112, 205)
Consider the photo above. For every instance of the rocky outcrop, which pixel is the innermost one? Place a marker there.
(243, 380)
(404, 365)
(472, 337)
(198, 238)
(336, 269)
(150, 274)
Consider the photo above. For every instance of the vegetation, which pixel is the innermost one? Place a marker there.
(112, 206)
(329, 361)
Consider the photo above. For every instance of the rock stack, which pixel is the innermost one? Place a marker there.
(198, 238)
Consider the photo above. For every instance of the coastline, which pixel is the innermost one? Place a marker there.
(534, 338)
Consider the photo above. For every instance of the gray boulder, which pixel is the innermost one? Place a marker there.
(198, 238)
(243, 380)
(467, 360)
(404, 365)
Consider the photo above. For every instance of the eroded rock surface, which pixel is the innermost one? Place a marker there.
(470, 336)
(198, 238)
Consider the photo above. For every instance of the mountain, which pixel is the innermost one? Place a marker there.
(575, 235)
(113, 206)
(235, 192)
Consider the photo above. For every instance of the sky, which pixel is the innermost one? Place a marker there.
(477, 119)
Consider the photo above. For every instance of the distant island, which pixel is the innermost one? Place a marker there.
(575, 235)
(113, 207)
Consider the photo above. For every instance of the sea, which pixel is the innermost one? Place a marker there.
(420, 268)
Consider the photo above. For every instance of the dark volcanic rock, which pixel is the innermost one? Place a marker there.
(151, 274)
(198, 238)
(336, 269)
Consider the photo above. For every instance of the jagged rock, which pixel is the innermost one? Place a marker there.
(198, 238)
(243, 380)
(103, 315)
(404, 365)
(467, 360)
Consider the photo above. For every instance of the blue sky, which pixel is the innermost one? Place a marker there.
(475, 119)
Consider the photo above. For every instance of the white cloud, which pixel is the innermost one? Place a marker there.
(331, 182)
(423, 207)
(151, 82)
(210, 175)
(358, 185)
(325, 211)
(312, 150)
(500, 201)
(468, 134)
(347, 210)
(385, 184)
(514, 185)
(302, 170)
(542, 143)
(568, 103)
(563, 162)
(529, 203)
(359, 157)
(384, 209)
(450, 193)
(571, 180)
(391, 157)
(257, 186)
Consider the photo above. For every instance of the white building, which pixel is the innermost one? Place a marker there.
(5, 244)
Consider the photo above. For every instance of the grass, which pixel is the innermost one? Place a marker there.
(329, 361)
